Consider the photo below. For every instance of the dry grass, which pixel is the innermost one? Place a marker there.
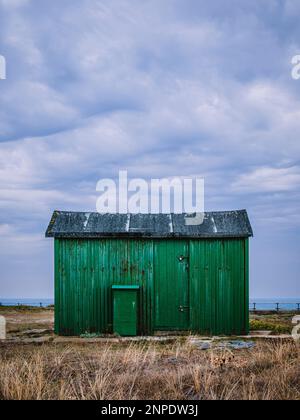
(267, 372)
(280, 323)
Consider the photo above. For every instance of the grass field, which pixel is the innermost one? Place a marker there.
(177, 370)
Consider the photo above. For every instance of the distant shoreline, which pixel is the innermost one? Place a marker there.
(261, 303)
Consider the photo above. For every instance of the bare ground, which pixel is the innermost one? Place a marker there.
(22, 320)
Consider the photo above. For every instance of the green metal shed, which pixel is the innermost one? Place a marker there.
(184, 277)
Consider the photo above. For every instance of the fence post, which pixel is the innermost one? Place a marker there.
(254, 307)
(277, 307)
(2, 328)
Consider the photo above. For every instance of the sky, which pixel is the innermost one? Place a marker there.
(160, 89)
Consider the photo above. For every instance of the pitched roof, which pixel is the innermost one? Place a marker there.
(229, 224)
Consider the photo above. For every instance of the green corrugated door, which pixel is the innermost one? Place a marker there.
(171, 268)
(125, 311)
(219, 287)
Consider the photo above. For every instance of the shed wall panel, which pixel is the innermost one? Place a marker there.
(86, 269)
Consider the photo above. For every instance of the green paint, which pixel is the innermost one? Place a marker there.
(125, 311)
(247, 275)
(218, 287)
(171, 285)
(206, 292)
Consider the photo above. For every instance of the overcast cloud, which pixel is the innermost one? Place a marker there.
(162, 89)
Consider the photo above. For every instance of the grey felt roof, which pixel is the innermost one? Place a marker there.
(228, 224)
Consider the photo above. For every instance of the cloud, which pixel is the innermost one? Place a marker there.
(34, 109)
(5, 229)
(265, 179)
(13, 3)
(159, 88)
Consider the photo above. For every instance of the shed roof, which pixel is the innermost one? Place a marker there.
(228, 224)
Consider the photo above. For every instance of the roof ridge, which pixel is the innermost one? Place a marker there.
(147, 214)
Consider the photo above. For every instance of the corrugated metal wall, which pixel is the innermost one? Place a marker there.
(85, 270)
(219, 283)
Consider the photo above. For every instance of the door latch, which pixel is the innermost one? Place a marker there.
(181, 258)
(183, 308)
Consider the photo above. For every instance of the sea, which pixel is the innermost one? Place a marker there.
(284, 304)
(26, 302)
(260, 303)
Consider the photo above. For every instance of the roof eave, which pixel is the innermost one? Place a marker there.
(49, 233)
(142, 236)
